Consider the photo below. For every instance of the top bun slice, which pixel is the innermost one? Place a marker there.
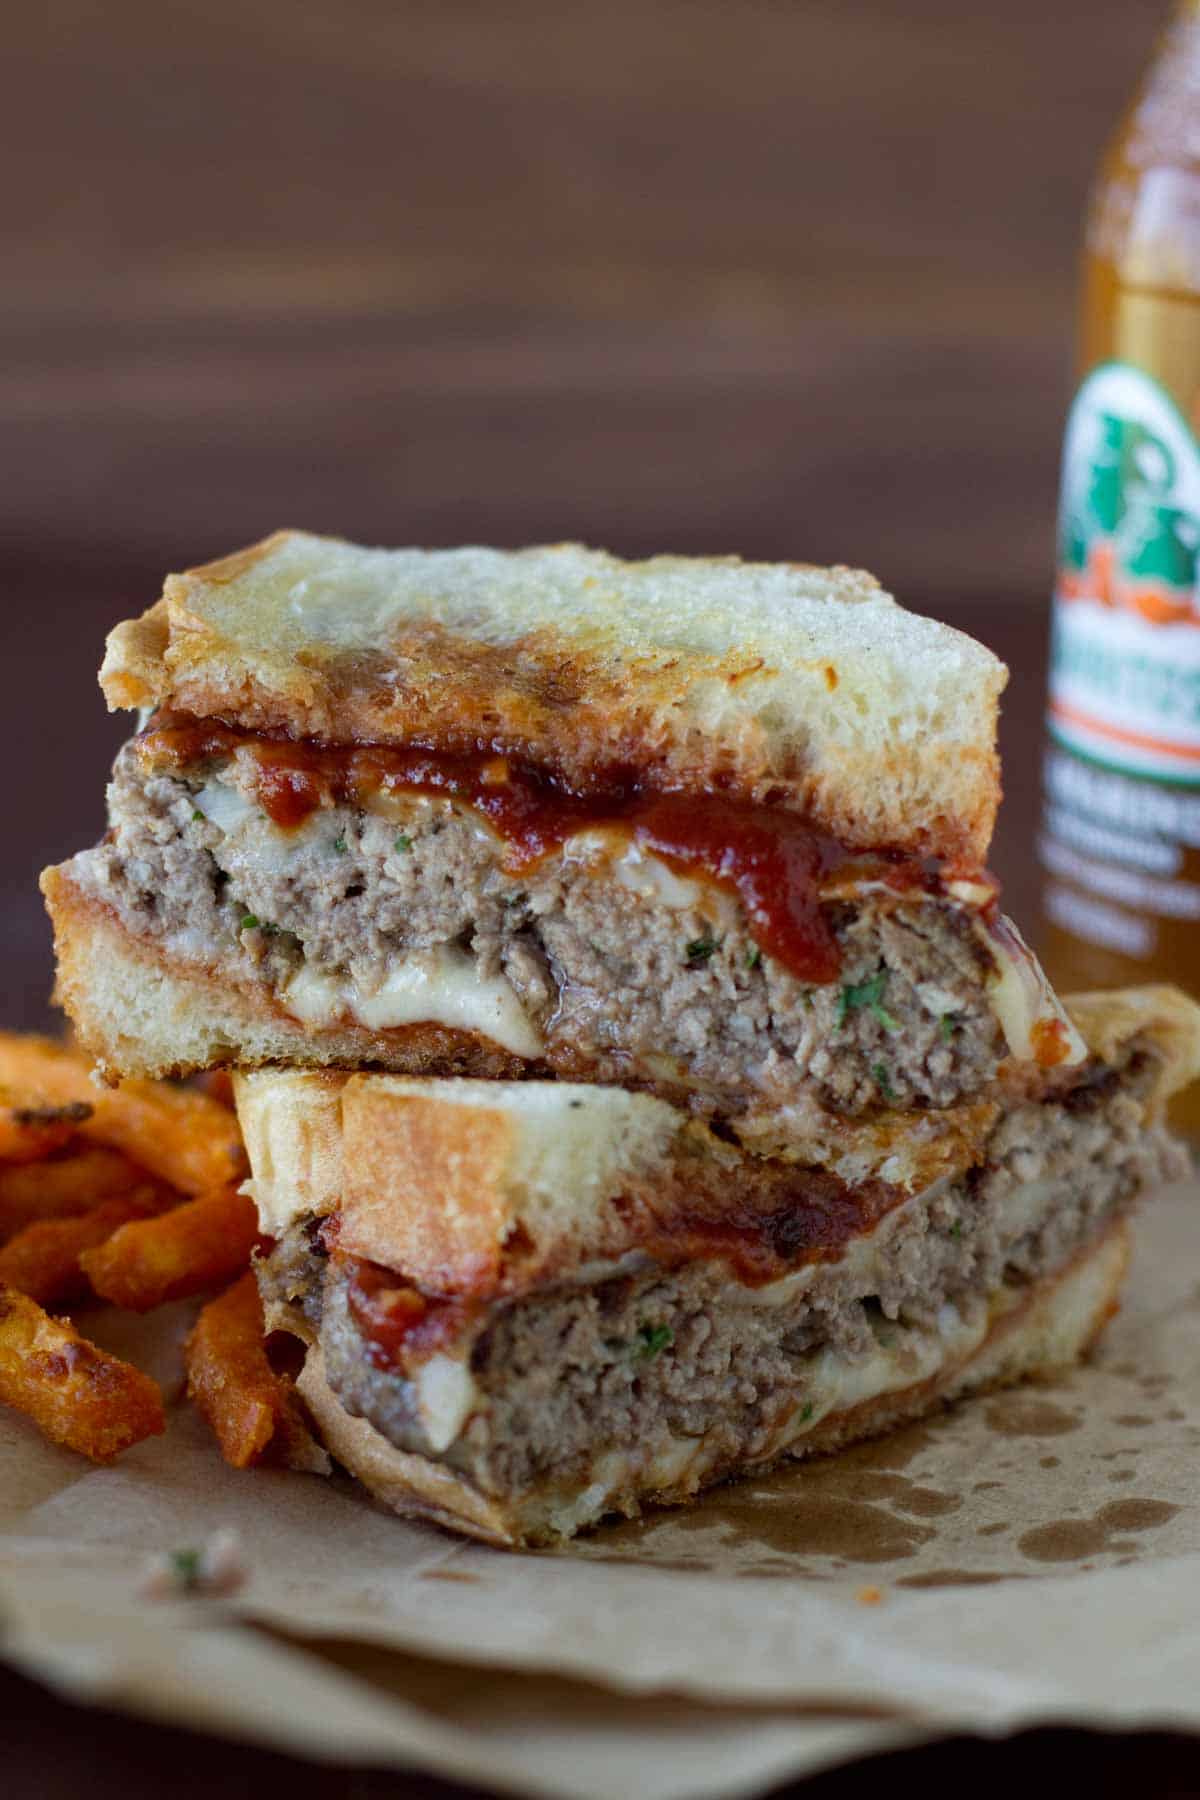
(784, 685)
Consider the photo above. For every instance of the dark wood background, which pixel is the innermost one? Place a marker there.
(785, 279)
(704, 275)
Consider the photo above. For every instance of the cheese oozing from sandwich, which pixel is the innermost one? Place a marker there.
(696, 856)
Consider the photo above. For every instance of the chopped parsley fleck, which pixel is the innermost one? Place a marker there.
(753, 957)
(652, 1340)
(403, 841)
(185, 1569)
(956, 1229)
(883, 1081)
(806, 1413)
(946, 1027)
(339, 844)
(249, 922)
(197, 816)
(868, 994)
(700, 949)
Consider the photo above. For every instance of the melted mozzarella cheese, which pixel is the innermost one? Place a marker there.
(443, 987)
(224, 807)
(636, 868)
(645, 874)
(446, 1396)
(971, 893)
(431, 987)
(610, 1474)
(1021, 996)
(316, 999)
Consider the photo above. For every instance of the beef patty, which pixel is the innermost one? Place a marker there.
(620, 973)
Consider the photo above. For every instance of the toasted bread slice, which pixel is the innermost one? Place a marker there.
(484, 1188)
(783, 684)
(1029, 1331)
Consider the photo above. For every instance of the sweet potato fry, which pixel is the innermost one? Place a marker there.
(194, 1247)
(253, 1411)
(64, 1188)
(180, 1134)
(32, 1127)
(43, 1260)
(74, 1393)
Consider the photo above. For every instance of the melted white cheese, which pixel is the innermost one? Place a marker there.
(226, 808)
(610, 1473)
(971, 893)
(1021, 996)
(446, 1396)
(430, 987)
(316, 999)
(636, 868)
(443, 987)
(646, 874)
(838, 1383)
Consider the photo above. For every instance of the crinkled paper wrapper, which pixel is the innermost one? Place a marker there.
(1030, 1558)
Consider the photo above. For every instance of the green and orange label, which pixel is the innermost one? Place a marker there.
(1125, 662)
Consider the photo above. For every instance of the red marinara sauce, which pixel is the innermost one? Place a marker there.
(397, 1321)
(773, 860)
(789, 1218)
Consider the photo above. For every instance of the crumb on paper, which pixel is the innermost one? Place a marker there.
(215, 1568)
(869, 1596)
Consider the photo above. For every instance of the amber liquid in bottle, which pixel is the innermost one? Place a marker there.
(1120, 844)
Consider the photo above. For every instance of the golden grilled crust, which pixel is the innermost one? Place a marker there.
(781, 684)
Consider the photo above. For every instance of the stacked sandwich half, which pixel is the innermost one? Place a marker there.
(640, 1081)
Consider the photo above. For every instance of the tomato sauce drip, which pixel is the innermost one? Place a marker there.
(773, 862)
(398, 1323)
(809, 1217)
(772, 859)
(1051, 1045)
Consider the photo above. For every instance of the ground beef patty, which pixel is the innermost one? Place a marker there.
(652, 988)
(655, 1355)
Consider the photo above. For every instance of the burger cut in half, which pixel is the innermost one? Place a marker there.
(527, 1306)
(709, 830)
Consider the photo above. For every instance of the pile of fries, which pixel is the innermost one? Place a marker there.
(129, 1195)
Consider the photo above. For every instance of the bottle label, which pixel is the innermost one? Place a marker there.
(1125, 657)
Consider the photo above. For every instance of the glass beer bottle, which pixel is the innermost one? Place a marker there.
(1120, 845)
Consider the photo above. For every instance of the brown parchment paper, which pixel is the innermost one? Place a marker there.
(1030, 1557)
